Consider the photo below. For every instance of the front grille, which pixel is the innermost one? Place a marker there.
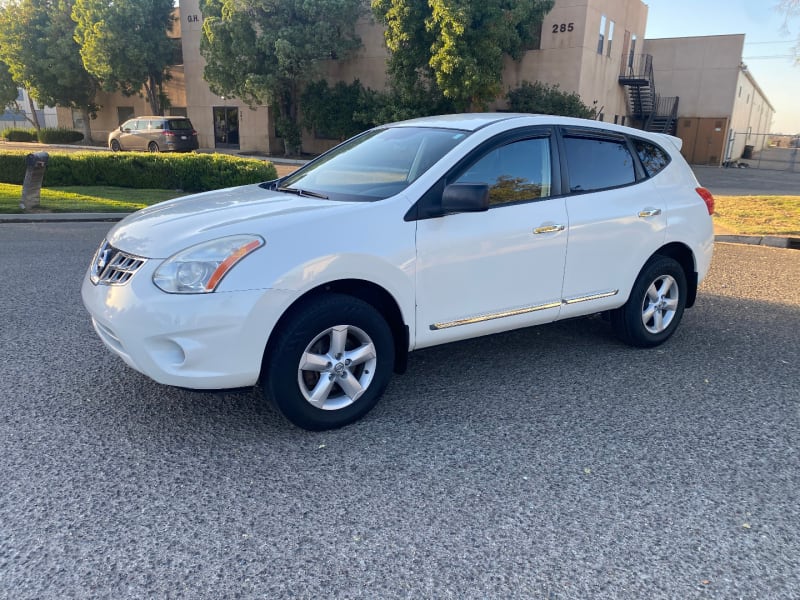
(114, 267)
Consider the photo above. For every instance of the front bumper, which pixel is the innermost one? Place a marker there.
(198, 341)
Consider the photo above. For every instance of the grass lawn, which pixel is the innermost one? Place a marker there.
(758, 215)
(85, 199)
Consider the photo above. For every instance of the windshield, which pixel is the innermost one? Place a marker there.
(376, 164)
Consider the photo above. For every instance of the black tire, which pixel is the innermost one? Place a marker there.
(652, 314)
(153, 147)
(308, 337)
(115, 147)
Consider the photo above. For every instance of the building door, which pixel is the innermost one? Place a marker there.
(226, 127)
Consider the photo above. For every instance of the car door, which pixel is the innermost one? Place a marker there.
(131, 136)
(617, 219)
(483, 272)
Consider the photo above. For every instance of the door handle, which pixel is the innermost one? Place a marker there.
(549, 229)
(649, 212)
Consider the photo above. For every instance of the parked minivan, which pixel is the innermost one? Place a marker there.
(154, 134)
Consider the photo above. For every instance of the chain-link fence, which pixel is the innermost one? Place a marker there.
(763, 151)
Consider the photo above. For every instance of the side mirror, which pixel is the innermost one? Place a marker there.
(465, 197)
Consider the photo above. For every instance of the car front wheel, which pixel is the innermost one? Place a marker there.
(330, 363)
(655, 306)
(115, 147)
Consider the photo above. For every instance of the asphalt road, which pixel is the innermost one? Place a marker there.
(548, 463)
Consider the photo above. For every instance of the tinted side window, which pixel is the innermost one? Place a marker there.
(653, 158)
(514, 172)
(159, 124)
(180, 124)
(596, 163)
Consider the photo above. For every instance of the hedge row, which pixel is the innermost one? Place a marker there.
(187, 172)
(19, 135)
(47, 135)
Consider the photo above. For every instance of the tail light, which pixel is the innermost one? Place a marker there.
(169, 133)
(707, 198)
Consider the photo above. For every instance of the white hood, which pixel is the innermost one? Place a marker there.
(163, 229)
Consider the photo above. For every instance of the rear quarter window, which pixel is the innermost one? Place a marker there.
(597, 163)
(180, 124)
(653, 158)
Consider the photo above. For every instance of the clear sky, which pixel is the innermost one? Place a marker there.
(768, 46)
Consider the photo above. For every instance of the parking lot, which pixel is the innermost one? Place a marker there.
(551, 463)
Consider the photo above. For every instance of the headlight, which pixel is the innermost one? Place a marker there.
(200, 268)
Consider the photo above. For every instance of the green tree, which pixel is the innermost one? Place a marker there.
(36, 42)
(125, 45)
(339, 111)
(456, 46)
(8, 88)
(544, 99)
(264, 51)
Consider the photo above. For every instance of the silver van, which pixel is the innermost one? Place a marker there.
(154, 134)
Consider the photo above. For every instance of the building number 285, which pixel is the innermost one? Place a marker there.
(563, 27)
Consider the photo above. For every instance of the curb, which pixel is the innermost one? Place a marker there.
(63, 218)
(792, 243)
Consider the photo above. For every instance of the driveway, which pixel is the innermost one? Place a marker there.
(547, 463)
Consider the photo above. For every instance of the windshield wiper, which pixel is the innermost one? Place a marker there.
(299, 192)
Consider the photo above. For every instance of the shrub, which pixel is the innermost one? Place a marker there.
(188, 172)
(546, 99)
(19, 135)
(59, 135)
(336, 112)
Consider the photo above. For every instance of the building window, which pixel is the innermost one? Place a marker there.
(602, 37)
(610, 36)
(77, 119)
(124, 113)
(740, 91)
(632, 52)
(536, 38)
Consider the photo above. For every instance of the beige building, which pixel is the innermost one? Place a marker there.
(582, 47)
(722, 113)
(697, 88)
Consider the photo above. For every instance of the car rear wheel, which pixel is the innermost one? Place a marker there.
(655, 307)
(330, 363)
(115, 147)
(152, 147)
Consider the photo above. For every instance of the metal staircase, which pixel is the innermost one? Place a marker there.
(651, 111)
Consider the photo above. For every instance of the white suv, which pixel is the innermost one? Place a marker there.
(409, 235)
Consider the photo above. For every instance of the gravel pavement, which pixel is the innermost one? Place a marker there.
(549, 463)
